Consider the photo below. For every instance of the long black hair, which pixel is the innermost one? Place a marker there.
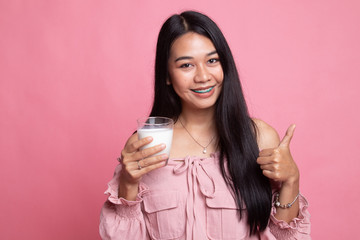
(236, 130)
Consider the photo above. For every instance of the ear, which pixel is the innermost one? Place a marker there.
(168, 81)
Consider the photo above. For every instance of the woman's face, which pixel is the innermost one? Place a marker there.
(195, 71)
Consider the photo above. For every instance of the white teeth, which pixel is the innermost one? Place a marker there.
(204, 90)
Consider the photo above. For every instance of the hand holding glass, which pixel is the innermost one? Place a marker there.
(159, 128)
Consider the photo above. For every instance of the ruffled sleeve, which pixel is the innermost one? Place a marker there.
(121, 218)
(298, 228)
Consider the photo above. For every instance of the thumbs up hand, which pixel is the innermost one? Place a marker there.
(277, 163)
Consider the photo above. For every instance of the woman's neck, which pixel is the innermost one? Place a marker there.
(196, 132)
(198, 120)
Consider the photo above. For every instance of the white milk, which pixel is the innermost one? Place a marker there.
(159, 135)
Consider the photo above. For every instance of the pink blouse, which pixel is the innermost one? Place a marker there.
(187, 199)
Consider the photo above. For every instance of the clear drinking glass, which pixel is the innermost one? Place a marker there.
(159, 128)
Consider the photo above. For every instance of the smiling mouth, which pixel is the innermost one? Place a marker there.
(206, 90)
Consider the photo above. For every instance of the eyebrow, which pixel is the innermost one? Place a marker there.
(188, 57)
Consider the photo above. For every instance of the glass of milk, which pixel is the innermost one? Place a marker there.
(159, 128)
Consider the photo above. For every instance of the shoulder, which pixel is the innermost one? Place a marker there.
(267, 136)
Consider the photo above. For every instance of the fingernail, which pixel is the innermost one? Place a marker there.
(162, 145)
(149, 138)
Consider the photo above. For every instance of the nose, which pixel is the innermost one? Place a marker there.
(202, 74)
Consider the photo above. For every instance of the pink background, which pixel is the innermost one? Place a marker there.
(75, 75)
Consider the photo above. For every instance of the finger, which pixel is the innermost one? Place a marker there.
(267, 152)
(285, 142)
(133, 147)
(147, 152)
(270, 174)
(267, 173)
(146, 162)
(266, 167)
(152, 167)
(273, 167)
(264, 160)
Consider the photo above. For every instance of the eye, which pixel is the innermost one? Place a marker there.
(213, 60)
(185, 65)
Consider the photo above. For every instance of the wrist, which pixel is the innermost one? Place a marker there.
(284, 206)
(127, 190)
(292, 182)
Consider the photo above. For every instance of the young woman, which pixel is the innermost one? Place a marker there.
(228, 176)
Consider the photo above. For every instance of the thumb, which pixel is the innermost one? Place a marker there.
(285, 142)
